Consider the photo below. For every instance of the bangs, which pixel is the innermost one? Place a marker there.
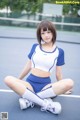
(46, 27)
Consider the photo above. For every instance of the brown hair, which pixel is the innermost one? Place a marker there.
(46, 25)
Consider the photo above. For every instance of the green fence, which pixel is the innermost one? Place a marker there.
(38, 17)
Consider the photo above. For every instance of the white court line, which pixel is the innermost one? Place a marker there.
(4, 90)
(72, 96)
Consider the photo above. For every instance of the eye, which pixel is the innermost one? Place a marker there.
(48, 31)
(42, 33)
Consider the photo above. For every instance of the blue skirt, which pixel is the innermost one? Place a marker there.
(38, 83)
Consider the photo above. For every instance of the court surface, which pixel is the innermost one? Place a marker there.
(15, 44)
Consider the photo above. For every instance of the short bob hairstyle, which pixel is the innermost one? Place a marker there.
(46, 25)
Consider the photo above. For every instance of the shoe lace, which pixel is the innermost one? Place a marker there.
(48, 107)
(32, 104)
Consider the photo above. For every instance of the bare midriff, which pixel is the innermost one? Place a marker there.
(40, 73)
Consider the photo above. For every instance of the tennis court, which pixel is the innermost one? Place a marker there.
(15, 44)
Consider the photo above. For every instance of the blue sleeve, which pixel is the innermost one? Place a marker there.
(60, 60)
(32, 51)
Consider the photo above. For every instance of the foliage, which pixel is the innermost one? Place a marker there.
(33, 6)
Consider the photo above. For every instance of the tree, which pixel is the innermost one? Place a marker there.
(71, 9)
(33, 6)
(5, 4)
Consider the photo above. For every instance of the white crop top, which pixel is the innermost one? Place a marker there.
(46, 61)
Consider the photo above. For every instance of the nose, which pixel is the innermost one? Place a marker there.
(46, 34)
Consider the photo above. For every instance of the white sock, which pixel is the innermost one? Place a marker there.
(46, 93)
(29, 95)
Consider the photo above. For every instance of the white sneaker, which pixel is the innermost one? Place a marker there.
(54, 107)
(24, 103)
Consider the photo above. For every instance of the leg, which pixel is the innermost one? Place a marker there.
(47, 92)
(24, 89)
(20, 88)
(13, 83)
(60, 87)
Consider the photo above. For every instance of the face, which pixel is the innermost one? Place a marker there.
(46, 36)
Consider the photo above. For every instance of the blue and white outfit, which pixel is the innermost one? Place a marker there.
(46, 61)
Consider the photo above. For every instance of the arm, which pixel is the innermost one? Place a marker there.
(25, 70)
(27, 67)
(58, 72)
(60, 62)
(59, 77)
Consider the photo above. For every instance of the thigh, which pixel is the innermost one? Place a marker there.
(13, 80)
(56, 84)
(27, 84)
(62, 86)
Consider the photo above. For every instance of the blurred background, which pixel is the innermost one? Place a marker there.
(28, 13)
(18, 22)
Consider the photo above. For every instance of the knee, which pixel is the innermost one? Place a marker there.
(69, 83)
(8, 80)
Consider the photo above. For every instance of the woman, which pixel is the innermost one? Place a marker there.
(44, 57)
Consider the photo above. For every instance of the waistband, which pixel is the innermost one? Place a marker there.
(38, 79)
